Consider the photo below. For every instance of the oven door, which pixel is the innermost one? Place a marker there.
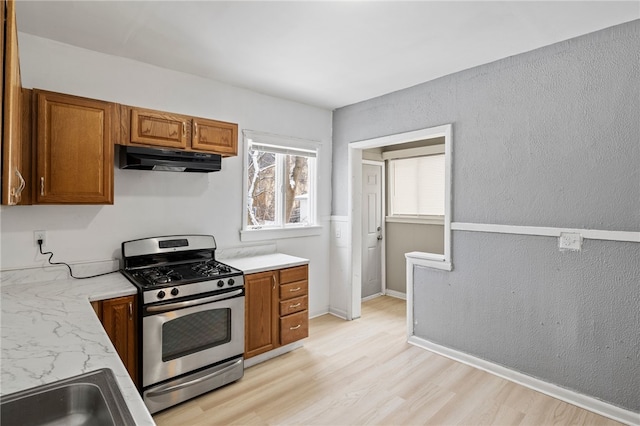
(180, 337)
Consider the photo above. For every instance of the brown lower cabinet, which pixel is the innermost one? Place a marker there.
(276, 309)
(118, 317)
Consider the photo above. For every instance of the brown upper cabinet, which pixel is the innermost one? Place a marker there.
(74, 149)
(15, 173)
(144, 127)
(158, 128)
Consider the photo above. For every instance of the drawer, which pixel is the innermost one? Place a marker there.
(294, 327)
(291, 290)
(294, 305)
(290, 275)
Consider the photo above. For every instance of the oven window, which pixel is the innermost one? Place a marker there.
(195, 332)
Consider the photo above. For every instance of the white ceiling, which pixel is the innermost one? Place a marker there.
(326, 54)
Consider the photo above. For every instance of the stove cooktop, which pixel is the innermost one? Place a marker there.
(175, 275)
(177, 267)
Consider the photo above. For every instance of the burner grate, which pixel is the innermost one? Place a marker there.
(159, 275)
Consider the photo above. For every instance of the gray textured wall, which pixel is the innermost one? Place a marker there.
(403, 238)
(570, 318)
(547, 138)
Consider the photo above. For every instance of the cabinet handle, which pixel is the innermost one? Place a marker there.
(184, 129)
(17, 192)
(296, 327)
(296, 305)
(42, 185)
(195, 130)
(130, 311)
(294, 289)
(273, 279)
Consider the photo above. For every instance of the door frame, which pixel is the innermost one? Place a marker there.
(355, 202)
(383, 212)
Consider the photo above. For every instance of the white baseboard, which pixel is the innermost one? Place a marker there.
(373, 296)
(338, 313)
(396, 294)
(272, 354)
(318, 313)
(563, 394)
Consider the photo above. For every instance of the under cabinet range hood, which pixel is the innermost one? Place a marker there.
(167, 160)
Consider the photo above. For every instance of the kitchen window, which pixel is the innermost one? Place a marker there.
(280, 187)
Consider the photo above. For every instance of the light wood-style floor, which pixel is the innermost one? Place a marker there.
(363, 372)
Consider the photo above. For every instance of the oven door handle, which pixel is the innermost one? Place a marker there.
(169, 388)
(195, 302)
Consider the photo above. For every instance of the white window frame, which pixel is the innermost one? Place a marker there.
(284, 145)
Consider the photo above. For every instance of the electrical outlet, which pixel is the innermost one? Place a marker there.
(570, 241)
(40, 235)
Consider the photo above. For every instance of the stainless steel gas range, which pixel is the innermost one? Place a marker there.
(192, 317)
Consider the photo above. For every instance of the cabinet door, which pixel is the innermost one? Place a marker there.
(158, 128)
(261, 313)
(13, 173)
(215, 136)
(119, 321)
(74, 149)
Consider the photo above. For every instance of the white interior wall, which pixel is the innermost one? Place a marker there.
(161, 203)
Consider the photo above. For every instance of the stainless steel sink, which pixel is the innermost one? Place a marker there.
(88, 399)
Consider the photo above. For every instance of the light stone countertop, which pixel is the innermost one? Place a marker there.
(50, 332)
(265, 262)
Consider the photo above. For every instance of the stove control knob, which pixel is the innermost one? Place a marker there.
(231, 281)
(220, 283)
(161, 294)
(174, 291)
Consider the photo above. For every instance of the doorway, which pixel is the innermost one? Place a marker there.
(355, 197)
(373, 259)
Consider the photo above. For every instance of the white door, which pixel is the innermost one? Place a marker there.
(371, 229)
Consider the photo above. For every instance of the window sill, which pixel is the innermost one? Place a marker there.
(421, 220)
(279, 233)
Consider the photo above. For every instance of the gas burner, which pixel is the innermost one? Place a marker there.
(160, 275)
(210, 268)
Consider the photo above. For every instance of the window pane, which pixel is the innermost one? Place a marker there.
(261, 194)
(405, 186)
(418, 186)
(296, 186)
(431, 185)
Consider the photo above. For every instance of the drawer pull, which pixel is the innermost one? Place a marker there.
(296, 327)
(294, 289)
(296, 305)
